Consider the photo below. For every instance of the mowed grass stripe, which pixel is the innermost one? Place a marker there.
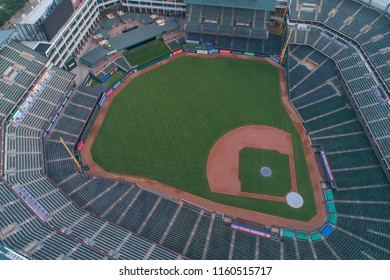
(164, 124)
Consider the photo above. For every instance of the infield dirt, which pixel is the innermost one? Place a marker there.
(223, 161)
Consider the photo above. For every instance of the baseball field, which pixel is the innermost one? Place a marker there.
(164, 124)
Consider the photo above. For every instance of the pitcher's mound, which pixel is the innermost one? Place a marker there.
(266, 171)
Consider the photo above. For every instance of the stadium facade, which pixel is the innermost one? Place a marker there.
(62, 39)
(67, 37)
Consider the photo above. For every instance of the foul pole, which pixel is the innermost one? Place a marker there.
(70, 153)
(286, 44)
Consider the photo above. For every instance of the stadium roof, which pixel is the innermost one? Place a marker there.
(5, 35)
(268, 5)
(105, 33)
(128, 40)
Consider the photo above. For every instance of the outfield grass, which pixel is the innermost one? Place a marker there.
(110, 81)
(146, 52)
(164, 124)
(252, 160)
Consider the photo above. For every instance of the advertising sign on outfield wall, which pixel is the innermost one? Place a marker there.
(249, 53)
(224, 51)
(190, 51)
(80, 146)
(129, 74)
(192, 42)
(213, 51)
(262, 55)
(202, 52)
(102, 100)
(117, 84)
(275, 59)
(177, 52)
(85, 167)
(109, 92)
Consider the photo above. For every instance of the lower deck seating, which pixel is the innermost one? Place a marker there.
(157, 224)
(220, 240)
(180, 232)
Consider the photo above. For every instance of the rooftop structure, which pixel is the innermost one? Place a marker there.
(128, 40)
(36, 12)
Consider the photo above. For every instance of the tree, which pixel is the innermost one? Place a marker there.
(9, 8)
